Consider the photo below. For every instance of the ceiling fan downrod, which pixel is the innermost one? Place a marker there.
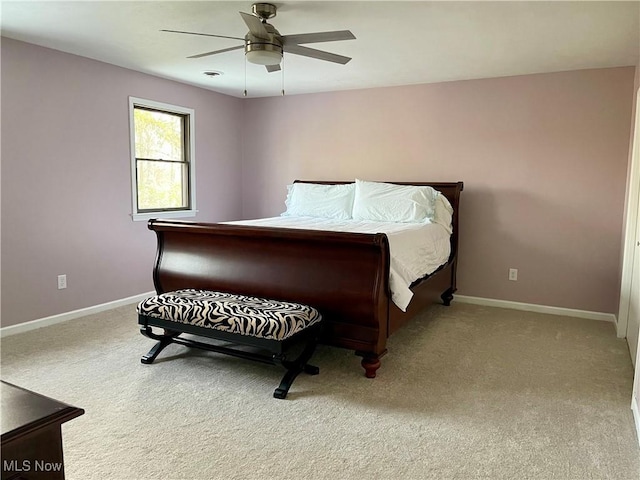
(264, 11)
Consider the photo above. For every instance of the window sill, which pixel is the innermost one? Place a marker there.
(139, 217)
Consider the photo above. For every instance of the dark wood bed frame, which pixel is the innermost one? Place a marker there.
(344, 275)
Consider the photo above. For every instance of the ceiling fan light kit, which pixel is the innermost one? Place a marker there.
(260, 52)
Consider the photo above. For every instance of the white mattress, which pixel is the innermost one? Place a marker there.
(416, 249)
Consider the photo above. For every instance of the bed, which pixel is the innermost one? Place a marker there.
(347, 276)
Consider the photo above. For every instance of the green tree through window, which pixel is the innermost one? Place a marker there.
(162, 158)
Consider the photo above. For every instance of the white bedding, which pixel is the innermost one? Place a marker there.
(416, 249)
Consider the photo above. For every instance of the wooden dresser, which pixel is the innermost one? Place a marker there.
(32, 435)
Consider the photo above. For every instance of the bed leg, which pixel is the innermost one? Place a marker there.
(447, 296)
(370, 364)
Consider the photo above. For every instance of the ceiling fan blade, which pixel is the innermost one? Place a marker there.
(255, 25)
(200, 55)
(273, 68)
(319, 37)
(313, 53)
(203, 34)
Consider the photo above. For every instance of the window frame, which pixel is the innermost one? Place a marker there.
(188, 115)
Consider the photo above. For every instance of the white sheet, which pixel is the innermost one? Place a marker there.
(416, 249)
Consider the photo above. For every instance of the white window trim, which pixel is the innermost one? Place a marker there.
(142, 102)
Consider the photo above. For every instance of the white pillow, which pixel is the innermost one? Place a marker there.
(387, 202)
(317, 200)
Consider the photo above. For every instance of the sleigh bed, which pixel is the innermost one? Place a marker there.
(344, 275)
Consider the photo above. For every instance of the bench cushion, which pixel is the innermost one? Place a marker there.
(253, 316)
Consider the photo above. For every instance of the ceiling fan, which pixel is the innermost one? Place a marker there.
(263, 44)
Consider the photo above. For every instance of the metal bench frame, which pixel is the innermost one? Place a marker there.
(270, 351)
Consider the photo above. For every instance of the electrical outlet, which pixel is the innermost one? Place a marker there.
(62, 282)
(513, 274)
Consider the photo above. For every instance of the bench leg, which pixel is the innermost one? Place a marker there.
(163, 341)
(295, 367)
(155, 351)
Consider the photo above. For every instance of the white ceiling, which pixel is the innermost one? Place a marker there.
(398, 43)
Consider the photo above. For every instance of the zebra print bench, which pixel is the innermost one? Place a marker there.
(272, 327)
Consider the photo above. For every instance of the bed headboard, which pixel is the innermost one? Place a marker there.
(451, 190)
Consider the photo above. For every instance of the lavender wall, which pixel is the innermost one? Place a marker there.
(543, 157)
(66, 190)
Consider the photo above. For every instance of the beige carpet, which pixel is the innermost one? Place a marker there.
(466, 392)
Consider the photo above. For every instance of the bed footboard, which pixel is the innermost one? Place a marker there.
(344, 275)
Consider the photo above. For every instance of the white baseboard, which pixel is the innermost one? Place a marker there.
(63, 317)
(489, 302)
(530, 307)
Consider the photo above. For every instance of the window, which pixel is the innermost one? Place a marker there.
(162, 160)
